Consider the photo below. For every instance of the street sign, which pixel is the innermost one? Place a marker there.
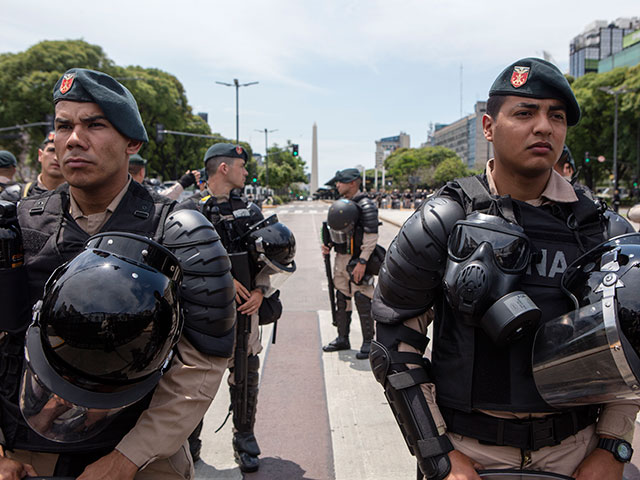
(601, 158)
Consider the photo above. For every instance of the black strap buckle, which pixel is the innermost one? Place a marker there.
(542, 434)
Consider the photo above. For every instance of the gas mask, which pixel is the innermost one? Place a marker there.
(487, 257)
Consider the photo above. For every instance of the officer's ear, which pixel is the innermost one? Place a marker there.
(133, 146)
(487, 127)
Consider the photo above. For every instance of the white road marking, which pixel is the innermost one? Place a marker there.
(366, 439)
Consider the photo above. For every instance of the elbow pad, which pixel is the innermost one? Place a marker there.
(207, 290)
(414, 265)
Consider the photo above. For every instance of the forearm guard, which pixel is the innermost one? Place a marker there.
(409, 406)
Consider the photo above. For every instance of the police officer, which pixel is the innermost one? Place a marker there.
(231, 215)
(49, 177)
(487, 253)
(8, 166)
(98, 126)
(565, 165)
(138, 171)
(349, 284)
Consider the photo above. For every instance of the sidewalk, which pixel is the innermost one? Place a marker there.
(398, 217)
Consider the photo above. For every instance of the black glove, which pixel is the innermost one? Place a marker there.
(187, 180)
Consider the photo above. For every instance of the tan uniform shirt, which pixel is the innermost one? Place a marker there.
(183, 394)
(616, 419)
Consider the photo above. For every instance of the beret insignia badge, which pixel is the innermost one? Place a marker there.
(239, 150)
(67, 82)
(519, 76)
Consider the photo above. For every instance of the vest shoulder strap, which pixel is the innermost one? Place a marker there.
(478, 199)
(26, 189)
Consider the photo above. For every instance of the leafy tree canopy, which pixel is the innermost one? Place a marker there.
(594, 133)
(284, 168)
(27, 80)
(417, 167)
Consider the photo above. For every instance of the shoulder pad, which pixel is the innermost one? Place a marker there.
(11, 193)
(188, 227)
(369, 214)
(415, 262)
(616, 224)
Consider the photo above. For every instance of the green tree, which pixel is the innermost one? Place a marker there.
(450, 169)
(284, 169)
(27, 79)
(26, 85)
(594, 132)
(416, 167)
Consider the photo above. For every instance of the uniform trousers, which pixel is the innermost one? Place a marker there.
(342, 280)
(563, 458)
(179, 466)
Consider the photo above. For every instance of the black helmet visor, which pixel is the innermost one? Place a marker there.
(62, 412)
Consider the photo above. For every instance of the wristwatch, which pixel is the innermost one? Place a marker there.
(362, 261)
(621, 450)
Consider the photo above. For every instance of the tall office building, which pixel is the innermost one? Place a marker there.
(465, 137)
(598, 41)
(386, 146)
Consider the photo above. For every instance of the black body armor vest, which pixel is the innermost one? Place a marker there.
(470, 372)
(52, 237)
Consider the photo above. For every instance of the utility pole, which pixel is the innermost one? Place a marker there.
(237, 86)
(616, 93)
(266, 154)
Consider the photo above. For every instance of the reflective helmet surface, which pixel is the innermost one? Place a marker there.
(111, 314)
(101, 337)
(620, 255)
(271, 239)
(343, 215)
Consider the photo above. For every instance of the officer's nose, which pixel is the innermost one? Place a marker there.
(76, 138)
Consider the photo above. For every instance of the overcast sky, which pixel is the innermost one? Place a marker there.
(360, 69)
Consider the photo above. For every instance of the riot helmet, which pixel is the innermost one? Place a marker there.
(487, 257)
(272, 247)
(341, 219)
(101, 337)
(590, 355)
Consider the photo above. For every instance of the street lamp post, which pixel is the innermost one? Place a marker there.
(237, 86)
(266, 154)
(616, 93)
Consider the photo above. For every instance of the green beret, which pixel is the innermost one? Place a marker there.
(48, 139)
(117, 103)
(136, 159)
(536, 78)
(345, 176)
(225, 150)
(7, 159)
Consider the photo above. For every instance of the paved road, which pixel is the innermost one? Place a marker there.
(320, 416)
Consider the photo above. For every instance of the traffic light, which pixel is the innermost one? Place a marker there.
(635, 182)
(159, 133)
(294, 147)
(255, 180)
(587, 158)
